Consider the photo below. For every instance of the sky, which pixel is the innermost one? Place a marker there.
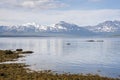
(46, 12)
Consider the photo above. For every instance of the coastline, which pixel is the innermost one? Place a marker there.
(19, 71)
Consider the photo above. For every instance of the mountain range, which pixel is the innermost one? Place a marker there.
(62, 29)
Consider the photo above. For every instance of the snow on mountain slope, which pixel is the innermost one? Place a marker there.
(32, 27)
(107, 26)
(64, 27)
(69, 27)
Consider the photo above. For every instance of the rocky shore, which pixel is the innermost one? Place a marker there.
(19, 71)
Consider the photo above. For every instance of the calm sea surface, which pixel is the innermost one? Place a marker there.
(79, 56)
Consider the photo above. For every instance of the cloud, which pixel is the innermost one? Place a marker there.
(32, 4)
(42, 4)
(89, 17)
(80, 17)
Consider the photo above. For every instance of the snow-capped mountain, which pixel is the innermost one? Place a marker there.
(32, 28)
(106, 27)
(62, 28)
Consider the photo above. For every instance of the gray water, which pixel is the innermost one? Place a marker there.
(80, 56)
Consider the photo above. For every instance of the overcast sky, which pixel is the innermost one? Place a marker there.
(44, 12)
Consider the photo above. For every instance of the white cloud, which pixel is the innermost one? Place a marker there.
(42, 4)
(80, 17)
(32, 4)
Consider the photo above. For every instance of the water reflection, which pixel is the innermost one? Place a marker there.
(79, 56)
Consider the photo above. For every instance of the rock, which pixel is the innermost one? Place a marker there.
(68, 43)
(27, 52)
(90, 40)
(19, 49)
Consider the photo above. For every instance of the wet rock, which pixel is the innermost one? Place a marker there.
(19, 49)
(27, 52)
(68, 44)
(90, 40)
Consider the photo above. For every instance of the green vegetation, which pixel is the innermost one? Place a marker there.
(18, 71)
(8, 55)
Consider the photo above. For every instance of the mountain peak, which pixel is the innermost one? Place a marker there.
(64, 27)
(62, 22)
(31, 24)
(110, 22)
(107, 26)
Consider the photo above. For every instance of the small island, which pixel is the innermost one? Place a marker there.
(19, 71)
